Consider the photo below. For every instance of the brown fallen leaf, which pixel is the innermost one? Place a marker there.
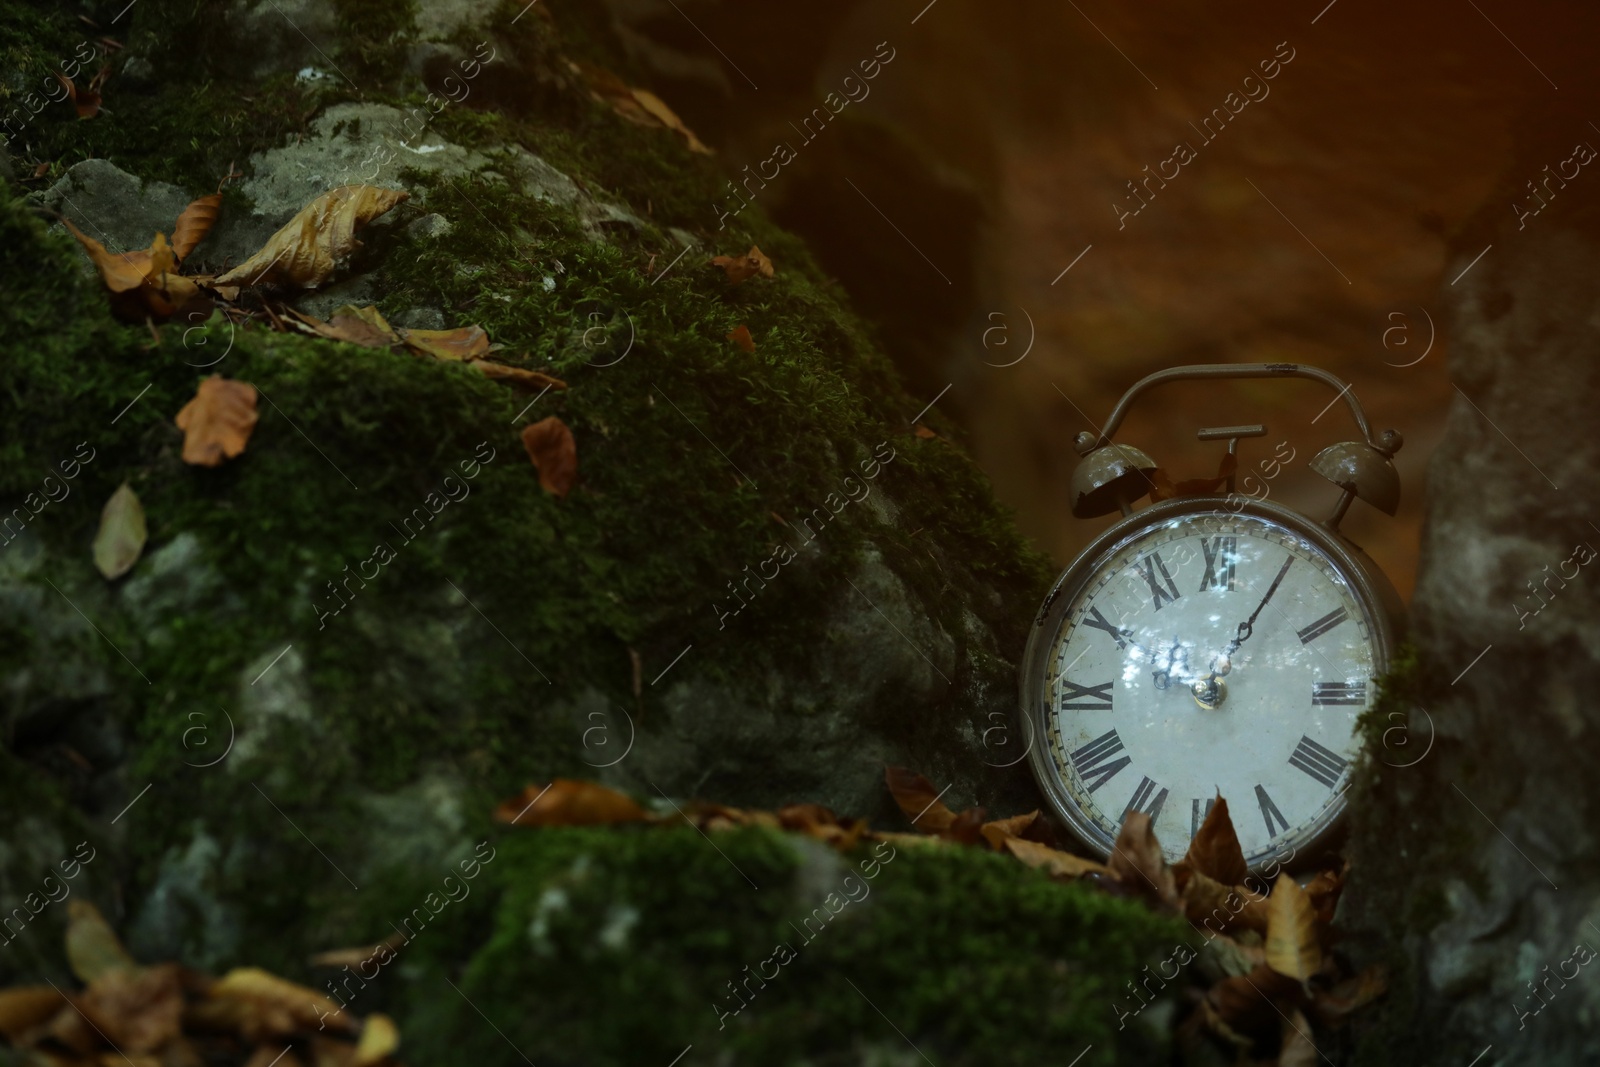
(998, 832)
(1324, 889)
(1334, 1006)
(120, 539)
(93, 949)
(24, 1008)
(461, 344)
(554, 454)
(740, 335)
(531, 379)
(193, 225)
(354, 957)
(1252, 1002)
(218, 422)
(138, 1011)
(1137, 862)
(362, 326)
(924, 433)
(1055, 862)
(1163, 488)
(86, 100)
(141, 283)
(119, 271)
(305, 252)
(1292, 946)
(918, 799)
(1214, 850)
(256, 1005)
(638, 106)
(740, 268)
(566, 802)
(379, 1038)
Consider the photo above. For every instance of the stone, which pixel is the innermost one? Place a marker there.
(114, 207)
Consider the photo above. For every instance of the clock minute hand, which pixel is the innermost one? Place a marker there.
(1247, 627)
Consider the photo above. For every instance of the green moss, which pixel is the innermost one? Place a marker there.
(969, 955)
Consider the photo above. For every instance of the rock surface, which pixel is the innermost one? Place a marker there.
(1476, 861)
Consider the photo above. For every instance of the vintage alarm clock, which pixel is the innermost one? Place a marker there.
(1208, 645)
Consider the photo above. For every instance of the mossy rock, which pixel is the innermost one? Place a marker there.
(764, 587)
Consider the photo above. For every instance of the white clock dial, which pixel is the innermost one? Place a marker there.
(1213, 653)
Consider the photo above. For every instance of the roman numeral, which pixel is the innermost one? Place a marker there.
(1320, 763)
(1099, 622)
(1223, 550)
(1269, 812)
(1323, 625)
(1094, 697)
(1196, 816)
(1148, 567)
(1093, 761)
(1141, 801)
(1339, 693)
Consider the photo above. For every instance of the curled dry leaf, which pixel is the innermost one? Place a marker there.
(918, 799)
(740, 268)
(257, 1004)
(460, 344)
(565, 802)
(740, 335)
(1214, 851)
(516, 376)
(998, 832)
(638, 106)
(93, 949)
(86, 100)
(1054, 862)
(142, 283)
(304, 253)
(554, 454)
(658, 109)
(193, 225)
(120, 539)
(1292, 946)
(218, 422)
(1136, 861)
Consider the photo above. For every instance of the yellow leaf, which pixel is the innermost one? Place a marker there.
(256, 1004)
(120, 539)
(460, 344)
(1292, 946)
(379, 1038)
(667, 117)
(120, 271)
(92, 948)
(304, 253)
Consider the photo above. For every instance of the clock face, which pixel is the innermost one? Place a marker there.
(1209, 654)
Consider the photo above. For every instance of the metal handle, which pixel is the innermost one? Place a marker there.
(1385, 443)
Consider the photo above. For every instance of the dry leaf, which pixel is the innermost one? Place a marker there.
(218, 422)
(1058, 864)
(138, 1011)
(141, 283)
(379, 1037)
(1249, 1002)
(257, 1005)
(119, 271)
(1214, 851)
(461, 344)
(1298, 1051)
(565, 802)
(1323, 889)
(740, 335)
(1162, 487)
(304, 253)
(269, 1056)
(924, 433)
(998, 832)
(120, 539)
(1334, 1005)
(918, 799)
(532, 379)
(1136, 861)
(87, 100)
(193, 225)
(354, 957)
(554, 454)
(740, 268)
(25, 1007)
(659, 110)
(362, 326)
(639, 106)
(93, 949)
(1292, 946)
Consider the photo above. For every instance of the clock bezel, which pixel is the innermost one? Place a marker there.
(1374, 595)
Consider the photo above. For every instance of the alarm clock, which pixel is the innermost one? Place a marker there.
(1208, 646)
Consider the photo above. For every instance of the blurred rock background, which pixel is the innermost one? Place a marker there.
(1321, 225)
